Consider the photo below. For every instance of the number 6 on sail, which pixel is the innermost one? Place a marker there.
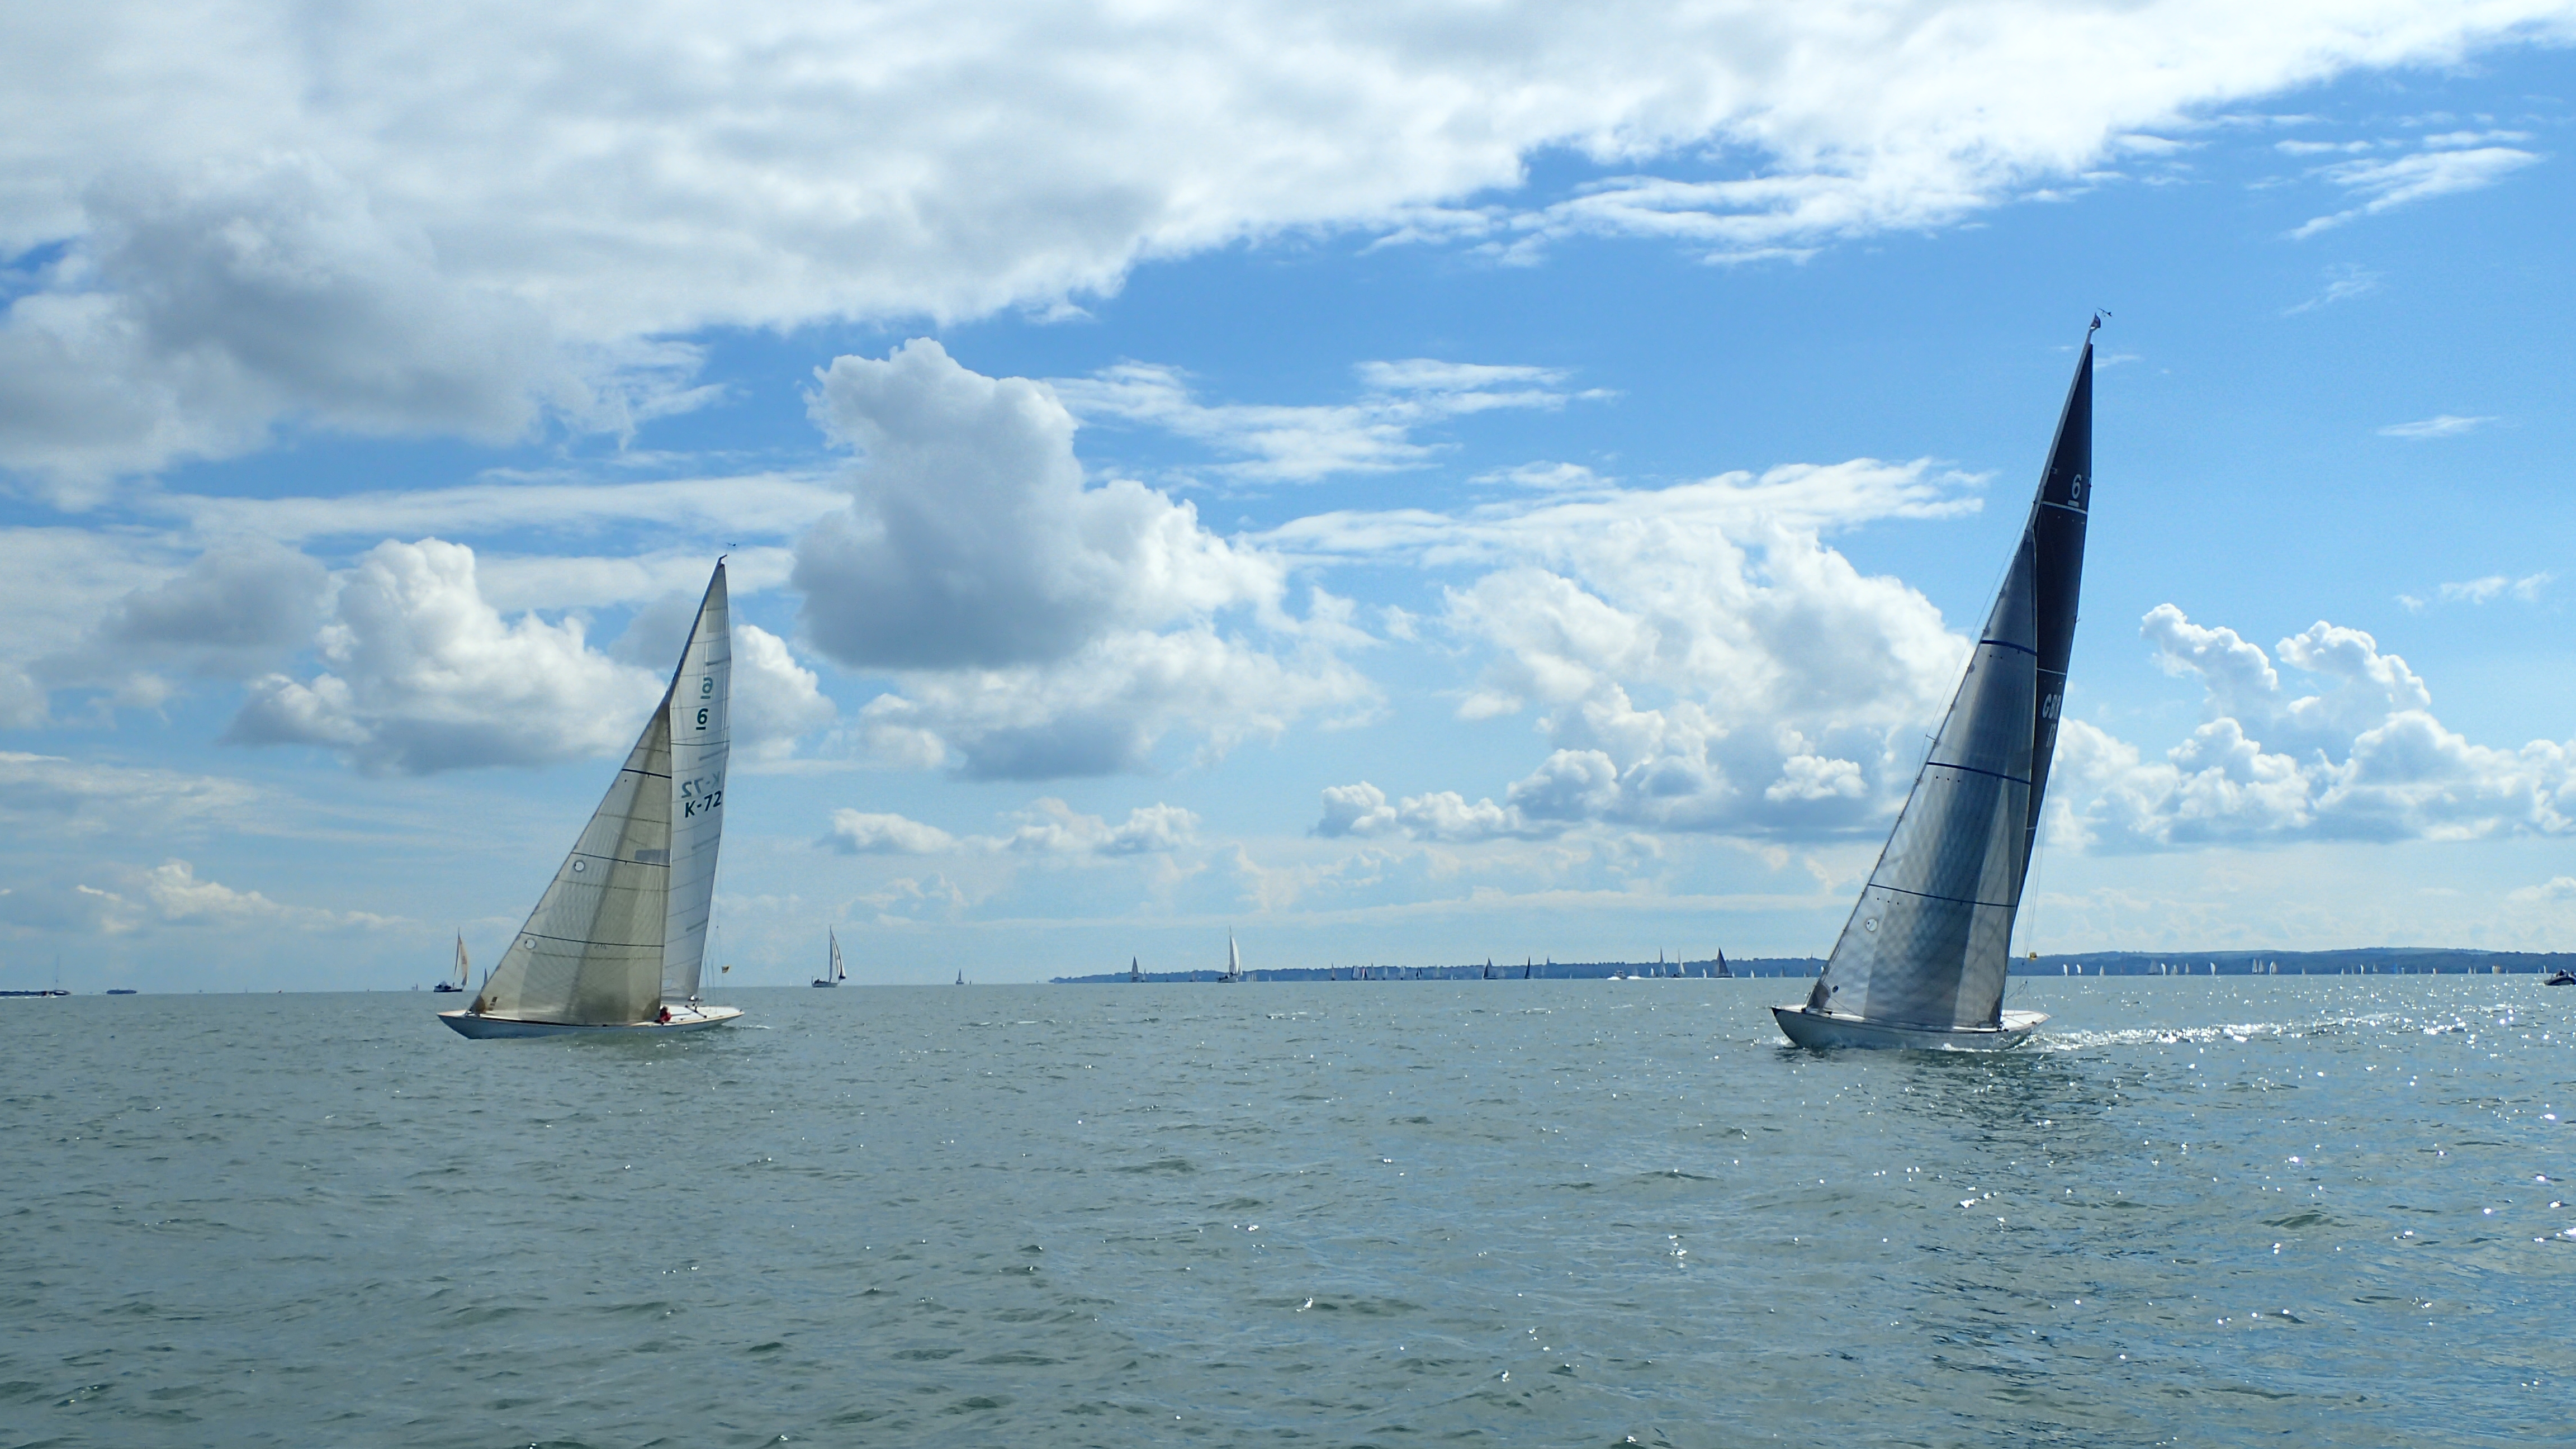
(618, 939)
(1923, 959)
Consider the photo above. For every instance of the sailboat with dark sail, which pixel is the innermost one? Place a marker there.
(1923, 960)
(617, 941)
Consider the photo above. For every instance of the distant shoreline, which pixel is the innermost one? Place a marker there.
(2368, 961)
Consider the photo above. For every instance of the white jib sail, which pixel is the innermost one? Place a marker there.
(698, 712)
(591, 952)
(1929, 942)
(836, 974)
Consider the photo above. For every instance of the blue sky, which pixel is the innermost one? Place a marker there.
(1402, 485)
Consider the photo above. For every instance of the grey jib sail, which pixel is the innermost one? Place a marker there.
(1930, 940)
(614, 921)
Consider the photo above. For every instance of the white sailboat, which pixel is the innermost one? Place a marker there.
(1922, 962)
(1233, 960)
(833, 975)
(617, 941)
(464, 973)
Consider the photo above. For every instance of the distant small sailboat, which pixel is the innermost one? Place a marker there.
(1233, 961)
(1924, 958)
(464, 976)
(618, 940)
(833, 974)
(961, 976)
(1134, 971)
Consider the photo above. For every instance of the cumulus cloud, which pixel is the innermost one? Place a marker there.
(972, 540)
(237, 610)
(1697, 656)
(1048, 828)
(1040, 628)
(356, 215)
(421, 674)
(2353, 751)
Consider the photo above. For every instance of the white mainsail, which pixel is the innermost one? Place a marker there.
(464, 972)
(699, 708)
(836, 974)
(591, 952)
(619, 930)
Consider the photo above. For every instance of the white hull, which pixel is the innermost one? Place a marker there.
(1820, 1030)
(486, 1028)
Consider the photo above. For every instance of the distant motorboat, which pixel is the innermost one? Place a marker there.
(2561, 978)
(833, 974)
(1923, 960)
(120, 991)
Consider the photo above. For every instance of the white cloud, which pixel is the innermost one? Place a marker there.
(2487, 590)
(2363, 757)
(859, 832)
(170, 894)
(422, 674)
(1039, 628)
(1048, 828)
(49, 796)
(1700, 659)
(2426, 174)
(756, 505)
(401, 219)
(1301, 444)
(2445, 425)
(238, 609)
(2343, 283)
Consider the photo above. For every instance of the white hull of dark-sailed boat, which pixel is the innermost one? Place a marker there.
(1823, 1030)
(487, 1028)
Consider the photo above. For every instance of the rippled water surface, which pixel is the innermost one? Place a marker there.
(1528, 1213)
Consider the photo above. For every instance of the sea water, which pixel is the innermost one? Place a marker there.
(2194, 1211)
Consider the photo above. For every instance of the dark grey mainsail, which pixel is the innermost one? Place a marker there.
(1927, 946)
